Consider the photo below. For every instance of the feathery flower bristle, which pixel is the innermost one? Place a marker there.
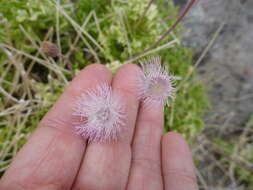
(156, 84)
(101, 114)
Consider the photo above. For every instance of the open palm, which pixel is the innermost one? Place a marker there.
(56, 158)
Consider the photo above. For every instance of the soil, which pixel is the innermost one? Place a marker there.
(227, 72)
(228, 68)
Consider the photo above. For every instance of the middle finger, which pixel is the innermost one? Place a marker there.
(106, 165)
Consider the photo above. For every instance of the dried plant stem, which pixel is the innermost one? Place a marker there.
(165, 46)
(238, 147)
(33, 43)
(53, 67)
(80, 31)
(235, 159)
(76, 40)
(202, 180)
(172, 113)
(8, 95)
(20, 70)
(179, 19)
(58, 30)
(169, 17)
(210, 44)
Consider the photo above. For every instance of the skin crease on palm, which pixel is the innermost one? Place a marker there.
(56, 158)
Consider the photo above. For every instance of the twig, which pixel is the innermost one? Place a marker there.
(8, 95)
(76, 40)
(237, 160)
(210, 44)
(181, 16)
(58, 30)
(81, 30)
(38, 60)
(165, 46)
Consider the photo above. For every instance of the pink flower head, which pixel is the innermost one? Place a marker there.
(156, 83)
(101, 114)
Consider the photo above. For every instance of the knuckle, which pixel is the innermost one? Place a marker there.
(97, 67)
(148, 165)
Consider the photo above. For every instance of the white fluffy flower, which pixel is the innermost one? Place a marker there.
(101, 114)
(156, 84)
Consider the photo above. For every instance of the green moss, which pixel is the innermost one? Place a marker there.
(185, 113)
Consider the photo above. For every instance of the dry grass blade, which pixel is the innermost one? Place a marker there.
(165, 46)
(210, 44)
(79, 28)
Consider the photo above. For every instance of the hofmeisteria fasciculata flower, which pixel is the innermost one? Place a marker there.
(101, 114)
(156, 84)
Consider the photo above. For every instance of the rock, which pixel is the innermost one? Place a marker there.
(230, 61)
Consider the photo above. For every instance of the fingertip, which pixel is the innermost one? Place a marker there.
(126, 79)
(130, 67)
(173, 136)
(97, 68)
(174, 143)
(91, 75)
(177, 162)
(94, 71)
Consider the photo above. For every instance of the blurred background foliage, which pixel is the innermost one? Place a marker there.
(110, 32)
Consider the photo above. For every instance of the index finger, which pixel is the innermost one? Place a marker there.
(51, 158)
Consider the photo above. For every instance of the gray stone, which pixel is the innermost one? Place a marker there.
(229, 64)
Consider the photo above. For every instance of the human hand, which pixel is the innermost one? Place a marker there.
(56, 158)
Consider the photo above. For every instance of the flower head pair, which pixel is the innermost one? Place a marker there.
(101, 111)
